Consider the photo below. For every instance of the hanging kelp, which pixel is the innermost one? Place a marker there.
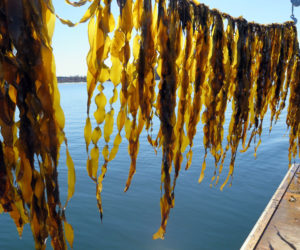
(29, 149)
(203, 58)
(216, 60)
(98, 29)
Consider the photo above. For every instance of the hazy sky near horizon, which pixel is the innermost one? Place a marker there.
(70, 45)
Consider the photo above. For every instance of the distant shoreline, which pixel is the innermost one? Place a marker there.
(75, 79)
(69, 79)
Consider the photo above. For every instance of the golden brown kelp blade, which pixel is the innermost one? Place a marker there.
(201, 23)
(293, 116)
(169, 51)
(137, 122)
(31, 148)
(212, 116)
(291, 47)
(241, 94)
(10, 199)
(100, 24)
(182, 140)
(146, 62)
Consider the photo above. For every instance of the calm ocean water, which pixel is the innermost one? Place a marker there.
(203, 217)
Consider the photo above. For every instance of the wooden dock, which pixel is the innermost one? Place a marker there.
(279, 225)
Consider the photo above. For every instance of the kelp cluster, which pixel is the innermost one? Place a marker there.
(203, 58)
(30, 144)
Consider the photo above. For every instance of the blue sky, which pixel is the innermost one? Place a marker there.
(70, 45)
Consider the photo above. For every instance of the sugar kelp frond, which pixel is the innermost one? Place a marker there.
(204, 59)
(30, 144)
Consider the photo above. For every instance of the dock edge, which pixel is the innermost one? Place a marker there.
(256, 233)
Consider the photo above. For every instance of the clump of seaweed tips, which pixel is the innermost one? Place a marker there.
(205, 59)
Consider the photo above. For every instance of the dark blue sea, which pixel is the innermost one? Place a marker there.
(203, 217)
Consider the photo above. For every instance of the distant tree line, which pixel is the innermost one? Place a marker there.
(62, 79)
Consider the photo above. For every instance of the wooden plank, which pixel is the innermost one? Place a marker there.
(263, 222)
(283, 231)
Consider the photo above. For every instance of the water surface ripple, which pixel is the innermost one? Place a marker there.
(203, 217)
